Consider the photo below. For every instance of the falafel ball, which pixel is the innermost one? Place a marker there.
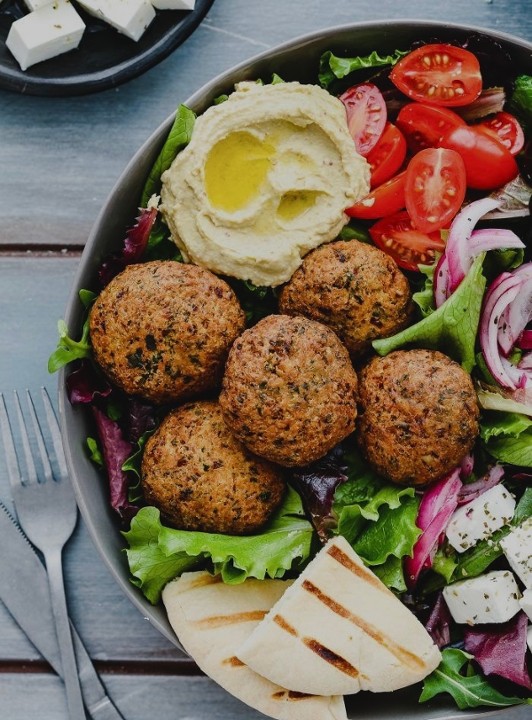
(289, 390)
(162, 330)
(201, 478)
(418, 415)
(354, 288)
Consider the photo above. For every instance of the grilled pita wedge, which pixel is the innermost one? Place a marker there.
(212, 619)
(338, 630)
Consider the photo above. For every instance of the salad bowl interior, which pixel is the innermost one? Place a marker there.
(295, 60)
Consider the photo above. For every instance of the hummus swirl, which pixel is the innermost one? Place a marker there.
(266, 178)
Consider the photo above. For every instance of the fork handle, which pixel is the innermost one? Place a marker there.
(64, 636)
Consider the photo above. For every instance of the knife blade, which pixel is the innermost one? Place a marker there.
(25, 593)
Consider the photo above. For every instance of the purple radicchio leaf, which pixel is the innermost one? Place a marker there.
(501, 649)
(135, 244)
(316, 485)
(85, 385)
(115, 449)
(140, 418)
(439, 622)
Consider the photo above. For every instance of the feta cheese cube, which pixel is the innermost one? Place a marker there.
(526, 603)
(517, 546)
(479, 519)
(529, 637)
(44, 33)
(489, 598)
(129, 17)
(173, 4)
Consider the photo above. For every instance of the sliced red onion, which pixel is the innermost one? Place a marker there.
(493, 239)
(441, 281)
(519, 313)
(525, 341)
(526, 362)
(457, 250)
(464, 244)
(473, 490)
(500, 294)
(466, 466)
(437, 505)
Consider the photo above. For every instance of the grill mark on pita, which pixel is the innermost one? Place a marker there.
(325, 653)
(284, 625)
(401, 653)
(358, 570)
(290, 695)
(202, 581)
(233, 661)
(216, 621)
(331, 657)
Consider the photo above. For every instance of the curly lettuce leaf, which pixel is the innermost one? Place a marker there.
(377, 518)
(333, 67)
(424, 298)
(452, 328)
(508, 437)
(456, 676)
(178, 137)
(157, 553)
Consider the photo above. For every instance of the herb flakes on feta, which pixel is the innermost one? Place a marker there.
(489, 598)
(526, 603)
(480, 518)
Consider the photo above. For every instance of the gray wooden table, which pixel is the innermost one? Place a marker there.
(59, 158)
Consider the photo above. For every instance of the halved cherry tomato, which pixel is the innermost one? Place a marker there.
(507, 129)
(425, 125)
(388, 155)
(396, 236)
(366, 115)
(487, 162)
(435, 188)
(439, 74)
(384, 200)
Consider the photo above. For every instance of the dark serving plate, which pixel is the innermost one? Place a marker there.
(104, 58)
(294, 60)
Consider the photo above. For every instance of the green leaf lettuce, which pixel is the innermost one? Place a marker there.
(508, 437)
(452, 328)
(157, 554)
(333, 67)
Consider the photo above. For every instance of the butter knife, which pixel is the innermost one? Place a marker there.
(24, 591)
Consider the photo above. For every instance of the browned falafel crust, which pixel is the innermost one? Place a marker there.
(201, 478)
(162, 330)
(289, 390)
(354, 288)
(418, 415)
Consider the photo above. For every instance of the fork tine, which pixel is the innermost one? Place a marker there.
(47, 468)
(55, 432)
(31, 472)
(13, 469)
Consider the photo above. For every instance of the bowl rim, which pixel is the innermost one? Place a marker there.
(197, 98)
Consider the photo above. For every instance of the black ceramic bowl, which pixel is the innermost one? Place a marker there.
(295, 60)
(104, 58)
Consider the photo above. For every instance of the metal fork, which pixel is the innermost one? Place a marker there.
(47, 512)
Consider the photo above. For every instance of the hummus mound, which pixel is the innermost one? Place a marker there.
(266, 178)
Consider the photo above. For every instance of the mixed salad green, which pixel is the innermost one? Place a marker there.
(467, 281)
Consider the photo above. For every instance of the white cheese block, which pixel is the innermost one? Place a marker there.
(479, 519)
(489, 598)
(129, 17)
(517, 546)
(173, 4)
(526, 603)
(529, 637)
(51, 30)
